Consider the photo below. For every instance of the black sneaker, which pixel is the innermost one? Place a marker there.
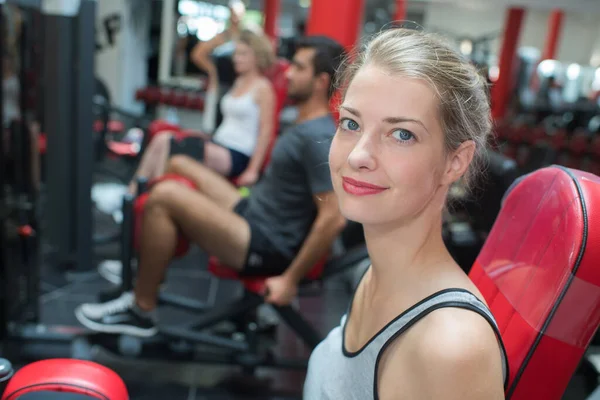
(116, 316)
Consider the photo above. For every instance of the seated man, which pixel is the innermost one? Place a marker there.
(287, 225)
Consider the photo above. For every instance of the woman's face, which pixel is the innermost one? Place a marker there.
(387, 159)
(244, 58)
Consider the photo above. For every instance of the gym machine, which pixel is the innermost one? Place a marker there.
(68, 88)
(69, 36)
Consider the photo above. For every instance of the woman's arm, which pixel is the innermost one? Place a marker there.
(201, 57)
(265, 97)
(201, 54)
(457, 359)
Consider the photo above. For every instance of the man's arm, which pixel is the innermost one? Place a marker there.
(327, 226)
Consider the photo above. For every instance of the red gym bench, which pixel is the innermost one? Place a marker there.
(65, 379)
(539, 272)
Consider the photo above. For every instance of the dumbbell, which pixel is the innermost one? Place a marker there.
(6, 372)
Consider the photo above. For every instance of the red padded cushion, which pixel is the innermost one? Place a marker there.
(538, 272)
(42, 143)
(255, 284)
(66, 375)
(158, 126)
(277, 77)
(113, 126)
(123, 148)
(183, 244)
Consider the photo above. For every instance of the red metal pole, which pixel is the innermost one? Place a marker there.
(555, 22)
(338, 19)
(502, 89)
(400, 14)
(271, 12)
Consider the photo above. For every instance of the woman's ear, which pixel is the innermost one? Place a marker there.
(458, 162)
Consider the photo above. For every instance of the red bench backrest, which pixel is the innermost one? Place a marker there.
(277, 77)
(539, 273)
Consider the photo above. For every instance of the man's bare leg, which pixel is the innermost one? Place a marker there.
(172, 206)
(154, 160)
(210, 183)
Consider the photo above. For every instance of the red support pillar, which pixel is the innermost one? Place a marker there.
(502, 89)
(555, 22)
(338, 19)
(400, 13)
(271, 12)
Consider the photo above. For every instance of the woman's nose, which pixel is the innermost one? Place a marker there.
(363, 154)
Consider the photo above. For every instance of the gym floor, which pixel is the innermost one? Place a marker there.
(159, 380)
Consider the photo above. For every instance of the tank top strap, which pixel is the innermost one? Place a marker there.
(459, 298)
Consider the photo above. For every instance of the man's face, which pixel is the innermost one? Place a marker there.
(300, 75)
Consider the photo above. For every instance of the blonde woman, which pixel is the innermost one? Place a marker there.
(414, 119)
(238, 146)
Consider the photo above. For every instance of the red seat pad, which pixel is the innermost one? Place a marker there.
(122, 148)
(538, 272)
(256, 284)
(158, 126)
(66, 375)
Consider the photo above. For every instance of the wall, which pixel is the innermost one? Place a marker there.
(579, 35)
(122, 47)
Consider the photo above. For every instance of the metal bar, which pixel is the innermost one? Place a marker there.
(59, 33)
(127, 232)
(295, 321)
(3, 261)
(205, 338)
(83, 138)
(22, 140)
(183, 302)
(224, 312)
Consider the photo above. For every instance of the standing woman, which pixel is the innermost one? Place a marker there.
(414, 119)
(239, 145)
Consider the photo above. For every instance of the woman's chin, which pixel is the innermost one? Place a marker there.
(357, 214)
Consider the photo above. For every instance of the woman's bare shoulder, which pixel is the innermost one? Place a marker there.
(453, 354)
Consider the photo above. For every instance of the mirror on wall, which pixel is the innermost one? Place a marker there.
(187, 23)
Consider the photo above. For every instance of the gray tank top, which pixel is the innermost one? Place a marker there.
(336, 374)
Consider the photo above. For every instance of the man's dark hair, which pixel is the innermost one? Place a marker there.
(328, 57)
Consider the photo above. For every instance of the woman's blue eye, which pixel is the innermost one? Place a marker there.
(349, 124)
(403, 135)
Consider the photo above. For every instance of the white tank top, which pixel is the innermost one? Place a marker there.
(241, 123)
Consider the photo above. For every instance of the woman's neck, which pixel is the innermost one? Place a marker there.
(247, 77)
(404, 257)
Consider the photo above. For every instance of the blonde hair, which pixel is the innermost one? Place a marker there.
(462, 91)
(261, 46)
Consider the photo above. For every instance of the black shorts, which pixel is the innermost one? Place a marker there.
(194, 147)
(262, 258)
